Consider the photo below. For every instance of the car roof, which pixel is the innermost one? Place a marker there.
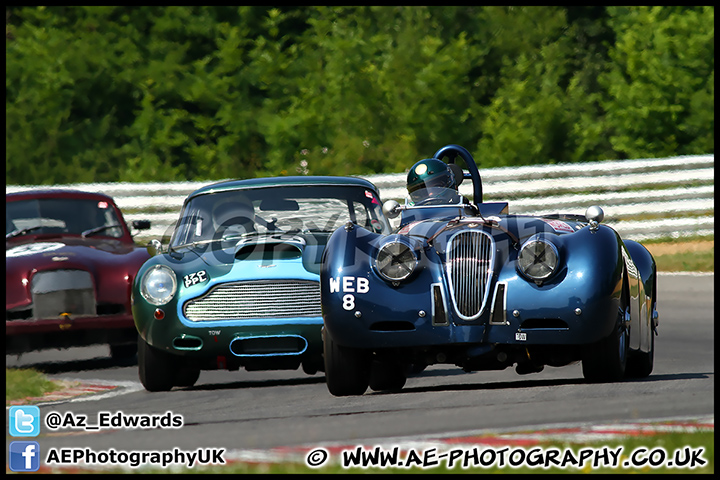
(283, 181)
(56, 193)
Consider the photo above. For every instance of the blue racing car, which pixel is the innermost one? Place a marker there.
(464, 282)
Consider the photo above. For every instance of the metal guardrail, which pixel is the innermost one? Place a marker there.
(642, 199)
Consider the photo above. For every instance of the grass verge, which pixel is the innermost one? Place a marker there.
(23, 383)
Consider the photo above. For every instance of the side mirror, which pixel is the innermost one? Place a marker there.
(154, 247)
(391, 209)
(141, 224)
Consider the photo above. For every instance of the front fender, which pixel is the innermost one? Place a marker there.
(584, 295)
(645, 301)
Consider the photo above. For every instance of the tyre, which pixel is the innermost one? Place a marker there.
(312, 366)
(606, 360)
(347, 370)
(186, 377)
(123, 352)
(640, 364)
(388, 375)
(155, 368)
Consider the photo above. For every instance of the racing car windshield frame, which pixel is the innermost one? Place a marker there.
(318, 209)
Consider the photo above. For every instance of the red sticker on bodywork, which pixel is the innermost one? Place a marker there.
(370, 195)
(559, 226)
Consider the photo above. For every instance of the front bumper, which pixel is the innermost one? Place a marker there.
(68, 331)
(517, 313)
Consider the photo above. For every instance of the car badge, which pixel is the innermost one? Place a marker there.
(59, 259)
(267, 266)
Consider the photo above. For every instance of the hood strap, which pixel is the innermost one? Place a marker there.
(458, 221)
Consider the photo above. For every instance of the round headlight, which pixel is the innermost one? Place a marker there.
(395, 261)
(158, 285)
(538, 259)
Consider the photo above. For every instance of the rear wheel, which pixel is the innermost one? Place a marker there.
(347, 370)
(606, 360)
(155, 367)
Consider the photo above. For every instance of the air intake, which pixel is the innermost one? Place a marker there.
(470, 257)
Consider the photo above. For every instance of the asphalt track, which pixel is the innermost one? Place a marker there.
(264, 410)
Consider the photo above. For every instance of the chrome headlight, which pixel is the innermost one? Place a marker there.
(158, 285)
(538, 259)
(395, 261)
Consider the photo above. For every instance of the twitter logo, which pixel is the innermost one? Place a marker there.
(24, 421)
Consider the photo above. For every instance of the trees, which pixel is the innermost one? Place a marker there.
(204, 93)
(660, 84)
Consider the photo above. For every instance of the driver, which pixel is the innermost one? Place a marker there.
(432, 181)
(236, 216)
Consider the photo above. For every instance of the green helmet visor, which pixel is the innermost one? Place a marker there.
(427, 176)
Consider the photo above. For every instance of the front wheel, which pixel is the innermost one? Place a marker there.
(606, 360)
(347, 370)
(186, 377)
(155, 368)
(387, 375)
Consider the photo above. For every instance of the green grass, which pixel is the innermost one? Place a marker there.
(687, 262)
(22, 383)
(700, 260)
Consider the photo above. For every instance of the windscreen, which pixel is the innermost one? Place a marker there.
(315, 209)
(61, 216)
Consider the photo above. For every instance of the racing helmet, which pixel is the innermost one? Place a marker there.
(428, 175)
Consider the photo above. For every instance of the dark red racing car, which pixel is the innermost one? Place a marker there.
(70, 262)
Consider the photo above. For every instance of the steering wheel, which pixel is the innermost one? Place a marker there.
(452, 151)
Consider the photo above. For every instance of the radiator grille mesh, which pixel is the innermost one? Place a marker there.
(469, 263)
(245, 300)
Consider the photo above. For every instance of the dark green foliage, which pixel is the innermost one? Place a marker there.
(108, 94)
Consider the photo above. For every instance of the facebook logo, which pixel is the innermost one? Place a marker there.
(24, 456)
(25, 421)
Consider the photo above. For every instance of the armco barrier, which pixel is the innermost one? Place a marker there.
(642, 199)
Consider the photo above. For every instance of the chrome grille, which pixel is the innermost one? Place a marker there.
(244, 300)
(469, 263)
